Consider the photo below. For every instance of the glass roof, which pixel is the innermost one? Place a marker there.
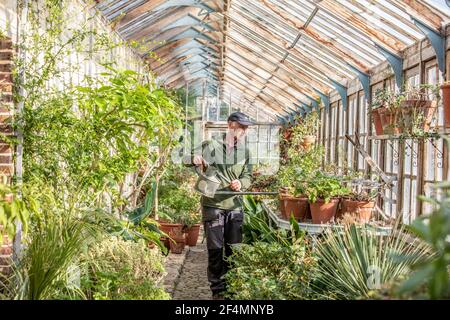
(273, 54)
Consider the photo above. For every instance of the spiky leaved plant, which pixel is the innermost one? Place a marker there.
(355, 263)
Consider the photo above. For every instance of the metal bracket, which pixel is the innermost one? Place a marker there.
(342, 90)
(325, 99)
(313, 101)
(300, 109)
(437, 42)
(396, 63)
(305, 106)
(364, 78)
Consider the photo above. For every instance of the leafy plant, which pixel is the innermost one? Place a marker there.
(431, 272)
(257, 227)
(13, 209)
(118, 269)
(356, 263)
(324, 187)
(57, 242)
(178, 202)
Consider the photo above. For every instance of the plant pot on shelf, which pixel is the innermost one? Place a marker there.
(192, 234)
(298, 206)
(179, 241)
(361, 209)
(446, 103)
(322, 212)
(376, 118)
(415, 109)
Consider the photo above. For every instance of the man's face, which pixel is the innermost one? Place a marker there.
(236, 130)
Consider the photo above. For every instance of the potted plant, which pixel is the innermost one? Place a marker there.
(306, 130)
(323, 195)
(168, 223)
(180, 211)
(446, 102)
(178, 241)
(301, 167)
(191, 227)
(418, 109)
(390, 113)
(359, 203)
(377, 109)
(292, 201)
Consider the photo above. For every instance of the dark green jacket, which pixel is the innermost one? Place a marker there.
(235, 165)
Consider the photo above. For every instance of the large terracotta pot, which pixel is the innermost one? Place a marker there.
(413, 108)
(389, 120)
(298, 206)
(178, 243)
(376, 118)
(169, 228)
(192, 234)
(322, 212)
(361, 209)
(446, 102)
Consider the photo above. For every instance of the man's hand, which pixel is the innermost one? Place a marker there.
(198, 160)
(235, 185)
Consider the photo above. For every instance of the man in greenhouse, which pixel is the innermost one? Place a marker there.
(228, 158)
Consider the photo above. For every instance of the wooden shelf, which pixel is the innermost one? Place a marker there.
(430, 135)
(315, 229)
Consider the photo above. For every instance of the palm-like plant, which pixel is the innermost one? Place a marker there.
(355, 263)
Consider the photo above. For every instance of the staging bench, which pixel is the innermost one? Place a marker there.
(316, 229)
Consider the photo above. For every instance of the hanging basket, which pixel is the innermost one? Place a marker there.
(417, 114)
(376, 118)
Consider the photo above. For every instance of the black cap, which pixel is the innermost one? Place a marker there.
(240, 118)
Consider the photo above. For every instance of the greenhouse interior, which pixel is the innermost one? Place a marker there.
(333, 117)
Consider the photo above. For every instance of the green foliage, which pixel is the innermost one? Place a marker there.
(431, 272)
(257, 228)
(116, 269)
(306, 126)
(302, 166)
(73, 149)
(357, 264)
(324, 187)
(13, 211)
(270, 271)
(57, 241)
(179, 203)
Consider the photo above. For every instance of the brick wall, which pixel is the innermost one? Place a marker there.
(6, 152)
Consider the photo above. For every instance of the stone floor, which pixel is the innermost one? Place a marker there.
(193, 283)
(186, 273)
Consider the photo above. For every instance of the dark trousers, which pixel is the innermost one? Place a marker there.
(223, 228)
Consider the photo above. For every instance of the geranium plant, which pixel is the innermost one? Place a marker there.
(324, 187)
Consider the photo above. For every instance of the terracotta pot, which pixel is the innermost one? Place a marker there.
(413, 108)
(389, 120)
(192, 234)
(177, 246)
(169, 228)
(322, 212)
(446, 103)
(179, 240)
(361, 209)
(308, 141)
(298, 206)
(376, 118)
